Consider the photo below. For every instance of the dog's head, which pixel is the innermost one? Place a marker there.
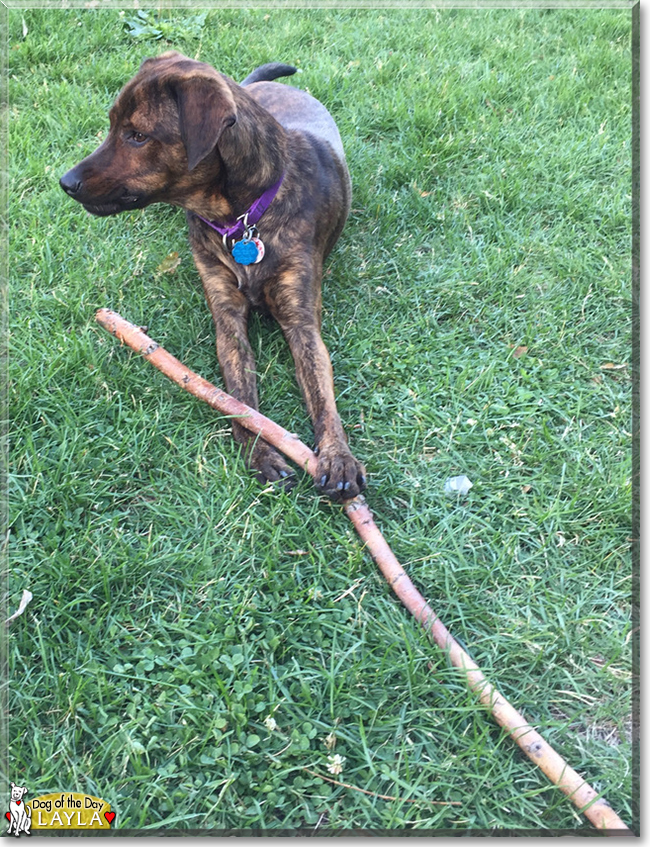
(17, 792)
(164, 129)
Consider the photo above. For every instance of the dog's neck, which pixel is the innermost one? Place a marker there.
(251, 158)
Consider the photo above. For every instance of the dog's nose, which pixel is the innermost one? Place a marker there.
(70, 183)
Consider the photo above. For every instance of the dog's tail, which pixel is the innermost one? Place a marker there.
(265, 73)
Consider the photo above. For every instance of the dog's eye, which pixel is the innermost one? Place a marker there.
(138, 137)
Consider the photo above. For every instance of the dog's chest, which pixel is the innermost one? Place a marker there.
(251, 280)
(252, 286)
(254, 280)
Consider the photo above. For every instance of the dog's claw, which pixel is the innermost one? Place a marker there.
(271, 466)
(345, 477)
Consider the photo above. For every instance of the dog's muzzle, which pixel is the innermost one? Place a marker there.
(117, 201)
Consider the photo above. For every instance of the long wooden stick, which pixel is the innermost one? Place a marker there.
(588, 801)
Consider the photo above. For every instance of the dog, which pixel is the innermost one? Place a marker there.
(20, 815)
(260, 170)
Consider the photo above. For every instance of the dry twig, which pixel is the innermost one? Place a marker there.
(383, 796)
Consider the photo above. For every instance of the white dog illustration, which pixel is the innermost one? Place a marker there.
(20, 814)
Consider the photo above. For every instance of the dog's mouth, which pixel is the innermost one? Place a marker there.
(124, 204)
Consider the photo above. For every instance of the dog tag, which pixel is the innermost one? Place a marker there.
(260, 248)
(245, 252)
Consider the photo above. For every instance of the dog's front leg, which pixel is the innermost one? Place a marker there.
(295, 302)
(230, 310)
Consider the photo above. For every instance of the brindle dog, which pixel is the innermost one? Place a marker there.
(182, 133)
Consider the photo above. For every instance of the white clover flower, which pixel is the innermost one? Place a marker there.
(335, 763)
(270, 723)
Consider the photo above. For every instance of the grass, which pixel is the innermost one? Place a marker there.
(474, 308)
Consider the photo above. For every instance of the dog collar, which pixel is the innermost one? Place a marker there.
(247, 221)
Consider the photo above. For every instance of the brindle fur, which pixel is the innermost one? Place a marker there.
(213, 147)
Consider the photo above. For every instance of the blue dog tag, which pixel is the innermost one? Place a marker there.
(245, 252)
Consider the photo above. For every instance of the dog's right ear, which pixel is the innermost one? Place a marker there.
(205, 108)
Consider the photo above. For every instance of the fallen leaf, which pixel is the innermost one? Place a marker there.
(518, 352)
(610, 366)
(169, 263)
(414, 185)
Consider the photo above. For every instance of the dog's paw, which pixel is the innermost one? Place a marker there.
(339, 474)
(270, 466)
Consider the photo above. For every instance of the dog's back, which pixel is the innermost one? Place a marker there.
(292, 108)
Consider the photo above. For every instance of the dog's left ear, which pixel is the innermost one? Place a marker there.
(205, 108)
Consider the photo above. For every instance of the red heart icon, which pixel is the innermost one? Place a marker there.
(110, 816)
(8, 816)
(19, 802)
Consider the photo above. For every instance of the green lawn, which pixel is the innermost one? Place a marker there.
(477, 311)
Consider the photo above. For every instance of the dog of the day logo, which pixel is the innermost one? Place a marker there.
(60, 810)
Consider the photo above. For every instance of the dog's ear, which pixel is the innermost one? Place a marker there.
(169, 56)
(205, 108)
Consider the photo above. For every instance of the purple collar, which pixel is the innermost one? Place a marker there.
(250, 217)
